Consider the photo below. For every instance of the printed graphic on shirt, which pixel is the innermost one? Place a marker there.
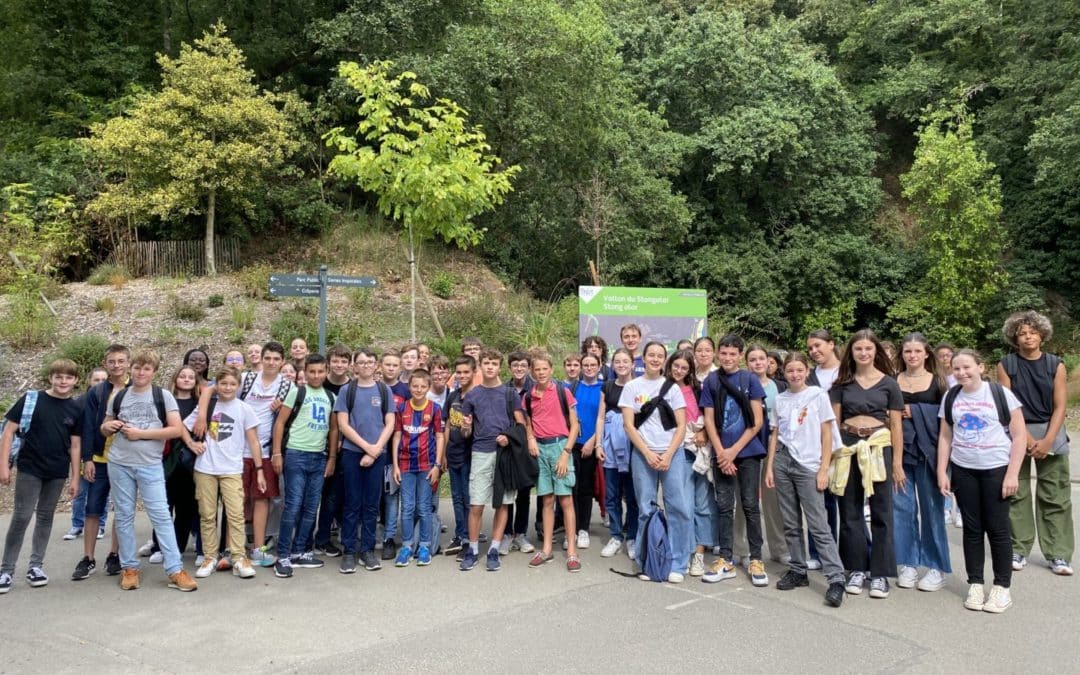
(222, 426)
(971, 428)
(641, 399)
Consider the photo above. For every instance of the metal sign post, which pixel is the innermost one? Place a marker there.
(312, 286)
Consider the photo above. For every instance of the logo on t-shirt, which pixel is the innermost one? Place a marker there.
(642, 398)
(222, 426)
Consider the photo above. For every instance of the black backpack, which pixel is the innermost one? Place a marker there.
(1010, 362)
(720, 400)
(159, 403)
(560, 390)
(998, 392)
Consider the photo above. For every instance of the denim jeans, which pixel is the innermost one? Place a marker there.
(303, 473)
(798, 496)
(745, 483)
(33, 497)
(832, 515)
(415, 498)
(363, 489)
(706, 512)
(617, 488)
(149, 482)
(78, 507)
(919, 519)
(332, 505)
(678, 503)
(459, 494)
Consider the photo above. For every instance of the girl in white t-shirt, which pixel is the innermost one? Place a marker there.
(984, 458)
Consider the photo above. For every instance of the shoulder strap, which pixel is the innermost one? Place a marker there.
(210, 410)
(117, 400)
(387, 398)
(510, 403)
(159, 403)
(330, 395)
(950, 400)
(1052, 363)
(247, 384)
(29, 403)
(560, 389)
(1008, 364)
(812, 379)
(283, 390)
(574, 387)
(301, 391)
(1004, 416)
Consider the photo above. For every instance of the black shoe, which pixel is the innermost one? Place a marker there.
(348, 564)
(834, 596)
(112, 565)
(329, 550)
(454, 547)
(84, 569)
(307, 560)
(389, 550)
(370, 561)
(792, 580)
(283, 568)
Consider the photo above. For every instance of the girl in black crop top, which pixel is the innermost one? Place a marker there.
(866, 399)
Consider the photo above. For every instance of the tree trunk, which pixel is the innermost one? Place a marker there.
(412, 285)
(166, 26)
(211, 265)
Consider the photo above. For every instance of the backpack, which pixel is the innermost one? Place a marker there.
(1010, 364)
(667, 415)
(996, 390)
(159, 403)
(29, 403)
(301, 391)
(384, 392)
(656, 552)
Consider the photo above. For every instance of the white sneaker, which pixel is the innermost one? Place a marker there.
(504, 544)
(208, 567)
(242, 568)
(522, 543)
(958, 521)
(1000, 600)
(631, 549)
(933, 580)
(813, 564)
(697, 565)
(675, 578)
(976, 598)
(101, 533)
(73, 533)
(157, 557)
(908, 577)
(146, 549)
(612, 547)
(855, 583)
(582, 539)
(1061, 567)
(1019, 562)
(199, 559)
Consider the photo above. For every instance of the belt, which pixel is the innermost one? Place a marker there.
(550, 439)
(861, 432)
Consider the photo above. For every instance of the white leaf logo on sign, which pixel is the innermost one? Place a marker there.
(587, 293)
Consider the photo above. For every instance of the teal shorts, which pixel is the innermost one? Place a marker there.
(549, 482)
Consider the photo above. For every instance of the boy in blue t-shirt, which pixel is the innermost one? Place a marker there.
(418, 459)
(630, 336)
(732, 405)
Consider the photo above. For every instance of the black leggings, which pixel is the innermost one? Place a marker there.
(585, 478)
(986, 516)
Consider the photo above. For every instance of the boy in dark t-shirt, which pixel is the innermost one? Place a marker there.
(458, 451)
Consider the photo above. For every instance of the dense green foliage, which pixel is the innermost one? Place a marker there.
(794, 157)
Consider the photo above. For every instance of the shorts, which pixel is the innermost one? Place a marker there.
(251, 482)
(97, 495)
(549, 482)
(482, 480)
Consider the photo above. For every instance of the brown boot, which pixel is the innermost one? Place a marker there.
(182, 581)
(129, 579)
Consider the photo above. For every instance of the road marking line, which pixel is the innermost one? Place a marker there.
(715, 596)
(680, 605)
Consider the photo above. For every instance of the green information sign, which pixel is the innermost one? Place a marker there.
(663, 314)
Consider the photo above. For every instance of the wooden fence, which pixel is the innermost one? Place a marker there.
(175, 258)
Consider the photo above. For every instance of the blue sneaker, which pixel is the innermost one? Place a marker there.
(403, 557)
(424, 556)
(468, 561)
(493, 563)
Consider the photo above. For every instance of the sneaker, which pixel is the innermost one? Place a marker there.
(1000, 600)
(101, 533)
(582, 539)
(208, 567)
(483, 538)
(697, 565)
(958, 521)
(834, 595)
(423, 558)
(146, 549)
(182, 581)
(307, 560)
(976, 598)
(371, 561)
(675, 578)
(855, 583)
(156, 558)
(573, 564)
(73, 533)
(329, 550)
(242, 568)
(1061, 567)
(36, 577)
(262, 557)
(908, 577)
(813, 564)
(758, 576)
(199, 559)
(631, 549)
(389, 550)
(129, 579)
(468, 561)
(493, 563)
(348, 564)
(716, 550)
(403, 556)
(540, 558)
(224, 563)
(283, 568)
(454, 547)
(611, 548)
(112, 564)
(522, 543)
(504, 544)
(720, 569)
(83, 569)
(566, 544)
(933, 580)
(5, 582)
(1019, 562)
(879, 587)
(792, 580)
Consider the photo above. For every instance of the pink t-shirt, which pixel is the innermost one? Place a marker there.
(693, 412)
(547, 415)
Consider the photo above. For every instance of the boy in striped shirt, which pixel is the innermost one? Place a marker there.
(418, 459)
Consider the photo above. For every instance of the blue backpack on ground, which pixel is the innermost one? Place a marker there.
(656, 552)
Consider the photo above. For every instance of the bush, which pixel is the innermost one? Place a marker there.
(28, 322)
(185, 310)
(360, 299)
(243, 315)
(255, 280)
(109, 274)
(304, 322)
(215, 300)
(486, 319)
(236, 336)
(106, 304)
(88, 351)
(442, 284)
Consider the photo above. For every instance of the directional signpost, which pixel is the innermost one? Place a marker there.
(314, 286)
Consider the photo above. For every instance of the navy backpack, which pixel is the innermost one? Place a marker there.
(656, 550)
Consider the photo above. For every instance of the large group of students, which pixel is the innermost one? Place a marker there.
(852, 461)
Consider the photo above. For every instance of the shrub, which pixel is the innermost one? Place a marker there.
(360, 299)
(442, 284)
(236, 336)
(255, 280)
(106, 304)
(243, 315)
(88, 351)
(215, 300)
(185, 310)
(167, 335)
(28, 322)
(486, 319)
(109, 274)
(289, 325)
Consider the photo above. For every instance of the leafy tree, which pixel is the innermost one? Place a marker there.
(208, 132)
(43, 230)
(429, 169)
